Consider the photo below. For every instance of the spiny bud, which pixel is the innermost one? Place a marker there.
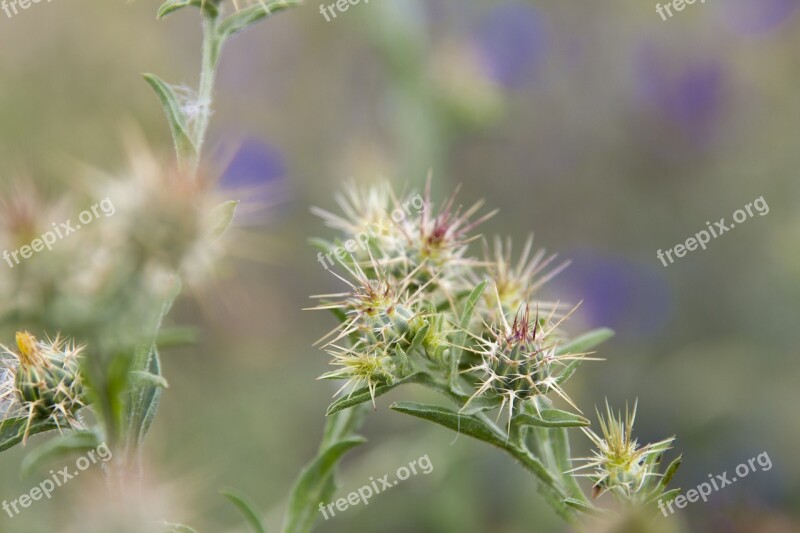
(521, 361)
(47, 380)
(360, 366)
(619, 464)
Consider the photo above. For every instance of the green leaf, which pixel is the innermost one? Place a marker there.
(481, 403)
(246, 507)
(665, 497)
(670, 472)
(315, 484)
(250, 15)
(461, 337)
(221, 218)
(79, 441)
(184, 146)
(551, 418)
(586, 508)
(173, 5)
(586, 342)
(141, 377)
(363, 394)
(12, 430)
(419, 338)
(144, 381)
(145, 397)
(468, 425)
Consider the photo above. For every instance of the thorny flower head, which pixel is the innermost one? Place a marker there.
(620, 465)
(521, 360)
(516, 281)
(45, 384)
(361, 366)
(376, 304)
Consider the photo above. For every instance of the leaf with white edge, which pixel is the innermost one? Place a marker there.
(246, 507)
(419, 338)
(173, 5)
(364, 395)
(670, 472)
(551, 418)
(12, 430)
(184, 146)
(479, 404)
(586, 508)
(665, 497)
(140, 377)
(248, 16)
(222, 217)
(468, 425)
(461, 337)
(79, 441)
(315, 484)
(585, 342)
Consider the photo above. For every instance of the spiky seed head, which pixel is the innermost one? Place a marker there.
(520, 361)
(47, 381)
(619, 464)
(361, 366)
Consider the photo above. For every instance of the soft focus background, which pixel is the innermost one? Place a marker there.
(607, 131)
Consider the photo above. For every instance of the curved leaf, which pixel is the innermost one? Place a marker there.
(316, 484)
(250, 15)
(246, 507)
(79, 441)
(551, 418)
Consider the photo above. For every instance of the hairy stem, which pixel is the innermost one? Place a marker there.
(205, 93)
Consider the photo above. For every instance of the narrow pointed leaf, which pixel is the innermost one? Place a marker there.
(551, 418)
(12, 430)
(364, 395)
(250, 15)
(184, 146)
(461, 336)
(173, 5)
(586, 342)
(221, 218)
(246, 507)
(480, 404)
(468, 425)
(316, 484)
(79, 441)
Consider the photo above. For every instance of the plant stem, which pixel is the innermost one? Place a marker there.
(205, 93)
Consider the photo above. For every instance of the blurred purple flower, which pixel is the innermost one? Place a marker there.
(690, 96)
(512, 43)
(758, 16)
(632, 298)
(256, 176)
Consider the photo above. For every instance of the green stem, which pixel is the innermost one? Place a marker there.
(205, 93)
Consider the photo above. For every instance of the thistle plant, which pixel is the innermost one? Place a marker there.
(417, 308)
(103, 293)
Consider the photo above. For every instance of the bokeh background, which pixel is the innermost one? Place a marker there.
(607, 131)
